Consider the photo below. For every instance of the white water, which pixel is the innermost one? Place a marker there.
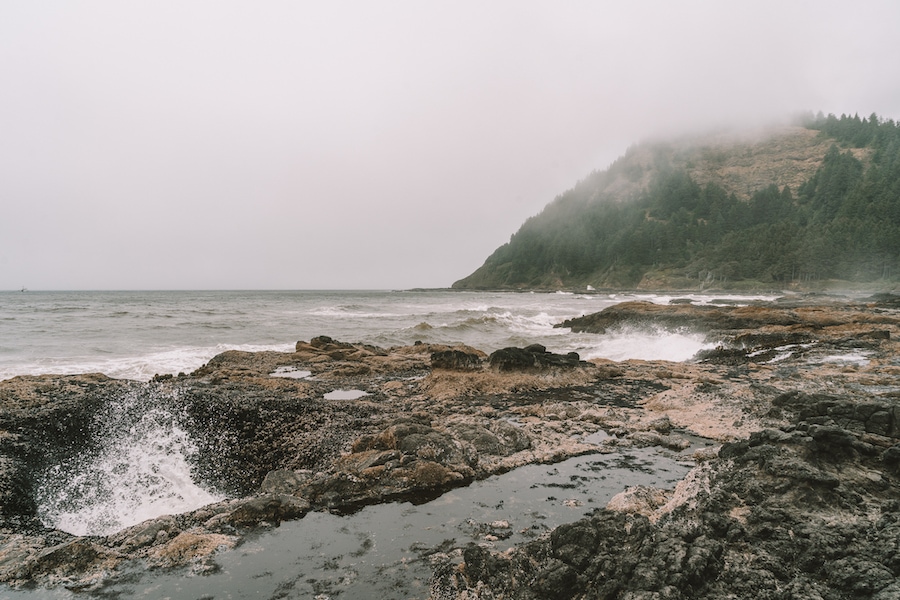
(647, 344)
(135, 335)
(141, 471)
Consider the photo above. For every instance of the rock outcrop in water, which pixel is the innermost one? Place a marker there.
(798, 315)
(801, 500)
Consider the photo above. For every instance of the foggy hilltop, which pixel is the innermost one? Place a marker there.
(808, 206)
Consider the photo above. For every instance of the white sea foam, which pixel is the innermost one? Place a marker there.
(140, 471)
(644, 344)
(140, 367)
(780, 357)
(539, 324)
(856, 358)
(346, 311)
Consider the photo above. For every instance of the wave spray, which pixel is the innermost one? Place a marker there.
(139, 469)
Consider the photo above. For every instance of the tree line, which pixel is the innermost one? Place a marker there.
(842, 223)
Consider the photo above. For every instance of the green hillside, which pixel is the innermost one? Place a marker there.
(795, 207)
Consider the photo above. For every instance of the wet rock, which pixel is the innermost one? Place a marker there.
(700, 317)
(886, 300)
(75, 562)
(574, 544)
(408, 459)
(877, 417)
(190, 547)
(759, 523)
(145, 534)
(757, 340)
(16, 502)
(764, 324)
(643, 439)
(724, 356)
(429, 475)
(533, 357)
(269, 508)
(282, 481)
(455, 360)
(483, 440)
(245, 433)
(891, 459)
(513, 439)
(662, 425)
(639, 499)
(513, 359)
(45, 420)
(500, 439)
(362, 461)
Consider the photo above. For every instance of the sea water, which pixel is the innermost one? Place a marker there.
(142, 468)
(136, 335)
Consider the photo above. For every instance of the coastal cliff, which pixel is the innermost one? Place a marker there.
(807, 207)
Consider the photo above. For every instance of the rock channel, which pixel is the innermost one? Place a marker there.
(800, 501)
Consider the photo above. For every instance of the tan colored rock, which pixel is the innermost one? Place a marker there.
(189, 547)
(640, 499)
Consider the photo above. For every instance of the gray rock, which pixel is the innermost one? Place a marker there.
(455, 360)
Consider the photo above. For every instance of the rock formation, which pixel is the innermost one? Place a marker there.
(801, 500)
(809, 510)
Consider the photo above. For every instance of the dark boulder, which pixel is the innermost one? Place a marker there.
(455, 360)
(513, 359)
(270, 508)
(531, 358)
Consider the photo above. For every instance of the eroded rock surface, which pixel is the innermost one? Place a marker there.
(276, 447)
(801, 398)
(801, 500)
(806, 511)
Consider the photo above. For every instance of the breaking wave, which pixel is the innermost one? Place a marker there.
(140, 367)
(140, 469)
(645, 344)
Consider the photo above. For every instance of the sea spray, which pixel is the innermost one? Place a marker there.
(139, 468)
(644, 343)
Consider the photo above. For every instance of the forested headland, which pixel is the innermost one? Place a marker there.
(804, 206)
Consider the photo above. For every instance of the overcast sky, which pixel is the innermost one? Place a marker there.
(309, 145)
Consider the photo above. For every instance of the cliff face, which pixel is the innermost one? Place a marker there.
(707, 212)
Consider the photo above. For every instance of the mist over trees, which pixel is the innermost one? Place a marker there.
(841, 223)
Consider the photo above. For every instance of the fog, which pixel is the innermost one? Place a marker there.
(294, 145)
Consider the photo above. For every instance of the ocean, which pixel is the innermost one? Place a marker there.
(384, 551)
(136, 335)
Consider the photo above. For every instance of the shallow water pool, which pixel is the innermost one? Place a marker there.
(387, 551)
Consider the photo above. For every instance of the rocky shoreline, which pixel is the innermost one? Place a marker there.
(800, 501)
